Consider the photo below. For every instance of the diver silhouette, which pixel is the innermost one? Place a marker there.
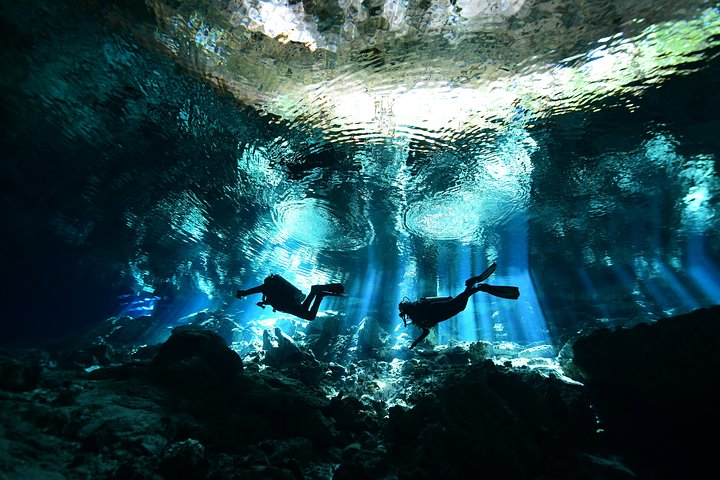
(283, 296)
(429, 311)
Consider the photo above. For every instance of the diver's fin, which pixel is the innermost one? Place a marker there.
(482, 277)
(511, 293)
(325, 293)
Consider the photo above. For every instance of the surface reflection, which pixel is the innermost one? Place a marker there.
(432, 71)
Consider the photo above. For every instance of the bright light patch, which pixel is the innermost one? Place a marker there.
(189, 217)
(602, 63)
(442, 218)
(441, 108)
(204, 285)
(358, 109)
(317, 223)
(696, 199)
(699, 213)
(134, 306)
(620, 65)
(494, 192)
(255, 162)
(422, 93)
(698, 176)
(284, 22)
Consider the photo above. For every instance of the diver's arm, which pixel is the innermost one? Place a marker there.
(425, 333)
(245, 293)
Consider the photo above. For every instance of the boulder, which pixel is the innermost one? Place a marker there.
(195, 356)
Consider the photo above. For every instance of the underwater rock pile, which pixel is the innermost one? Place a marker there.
(655, 390)
(192, 408)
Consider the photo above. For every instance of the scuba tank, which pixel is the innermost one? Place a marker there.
(278, 292)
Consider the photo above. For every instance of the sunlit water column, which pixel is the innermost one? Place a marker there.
(678, 281)
(479, 217)
(700, 222)
(488, 317)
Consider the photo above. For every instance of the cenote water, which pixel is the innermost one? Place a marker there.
(157, 156)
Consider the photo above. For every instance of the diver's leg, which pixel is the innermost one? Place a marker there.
(315, 307)
(244, 293)
(312, 312)
(317, 293)
(329, 288)
(321, 291)
(502, 291)
(483, 276)
(461, 299)
(308, 300)
(441, 311)
(299, 312)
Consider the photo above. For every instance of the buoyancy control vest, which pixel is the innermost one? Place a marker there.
(280, 293)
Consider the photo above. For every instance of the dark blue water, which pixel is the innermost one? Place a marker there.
(140, 179)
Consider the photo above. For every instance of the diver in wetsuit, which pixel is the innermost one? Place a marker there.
(429, 311)
(283, 296)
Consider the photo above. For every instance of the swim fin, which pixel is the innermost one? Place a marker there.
(332, 290)
(502, 291)
(482, 277)
(332, 294)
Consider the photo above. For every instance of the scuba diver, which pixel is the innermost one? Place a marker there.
(284, 296)
(429, 311)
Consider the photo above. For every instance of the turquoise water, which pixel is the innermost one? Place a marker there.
(156, 159)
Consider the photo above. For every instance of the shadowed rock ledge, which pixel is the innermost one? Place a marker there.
(655, 390)
(190, 408)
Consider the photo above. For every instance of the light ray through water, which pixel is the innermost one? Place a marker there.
(703, 269)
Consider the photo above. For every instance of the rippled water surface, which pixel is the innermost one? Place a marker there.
(173, 152)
